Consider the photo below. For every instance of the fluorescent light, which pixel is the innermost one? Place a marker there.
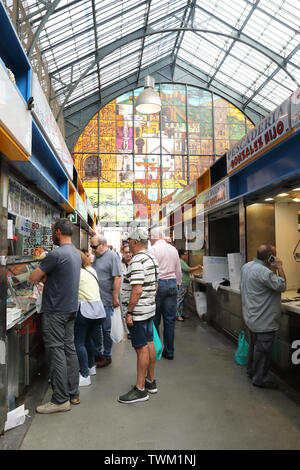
(269, 199)
(296, 189)
(282, 194)
(296, 199)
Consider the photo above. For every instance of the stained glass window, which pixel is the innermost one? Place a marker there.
(141, 162)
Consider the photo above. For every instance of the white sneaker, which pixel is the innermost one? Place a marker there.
(92, 370)
(84, 381)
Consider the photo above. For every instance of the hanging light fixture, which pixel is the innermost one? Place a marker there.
(148, 101)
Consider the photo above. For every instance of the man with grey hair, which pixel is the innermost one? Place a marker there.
(138, 300)
(260, 293)
(170, 276)
(108, 267)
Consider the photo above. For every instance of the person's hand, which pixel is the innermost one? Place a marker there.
(129, 319)
(115, 302)
(277, 263)
(200, 266)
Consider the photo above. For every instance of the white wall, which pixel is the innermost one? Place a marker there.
(113, 236)
(287, 237)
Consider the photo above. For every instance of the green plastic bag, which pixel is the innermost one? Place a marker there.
(241, 354)
(157, 343)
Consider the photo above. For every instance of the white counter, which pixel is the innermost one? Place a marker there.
(293, 306)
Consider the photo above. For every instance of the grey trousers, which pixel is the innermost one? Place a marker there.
(58, 336)
(259, 356)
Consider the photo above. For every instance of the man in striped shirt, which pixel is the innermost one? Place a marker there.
(138, 300)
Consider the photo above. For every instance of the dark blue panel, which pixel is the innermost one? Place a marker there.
(44, 158)
(13, 54)
(42, 182)
(278, 163)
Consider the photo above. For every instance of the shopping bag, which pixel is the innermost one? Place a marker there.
(38, 303)
(117, 331)
(37, 293)
(157, 343)
(241, 354)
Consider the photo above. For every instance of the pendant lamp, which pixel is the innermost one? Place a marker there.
(148, 101)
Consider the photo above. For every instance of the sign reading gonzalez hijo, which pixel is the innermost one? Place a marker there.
(269, 130)
(216, 195)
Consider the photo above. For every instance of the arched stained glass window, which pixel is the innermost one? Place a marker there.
(144, 161)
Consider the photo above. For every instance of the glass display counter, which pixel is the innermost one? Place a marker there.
(24, 338)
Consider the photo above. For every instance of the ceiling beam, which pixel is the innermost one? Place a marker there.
(50, 10)
(143, 40)
(139, 34)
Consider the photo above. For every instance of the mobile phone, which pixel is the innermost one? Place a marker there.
(271, 259)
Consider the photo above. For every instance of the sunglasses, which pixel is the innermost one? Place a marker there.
(94, 247)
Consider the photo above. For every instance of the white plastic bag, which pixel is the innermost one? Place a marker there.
(117, 331)
(15, 418)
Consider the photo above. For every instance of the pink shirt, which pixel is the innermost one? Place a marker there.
(168, 260)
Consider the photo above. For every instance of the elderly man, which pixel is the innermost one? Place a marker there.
(108, 267)
(261, 292)
(170, 276)
(138, 300)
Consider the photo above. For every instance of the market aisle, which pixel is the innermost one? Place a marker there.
(205, 401)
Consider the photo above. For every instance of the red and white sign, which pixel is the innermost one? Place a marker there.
(262, 136)
(216, 195)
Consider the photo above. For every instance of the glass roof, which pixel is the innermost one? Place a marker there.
(249, 46)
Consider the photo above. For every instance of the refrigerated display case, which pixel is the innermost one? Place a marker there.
(24, 338)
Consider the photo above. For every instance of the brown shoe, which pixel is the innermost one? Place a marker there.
(104, 362)
(98, 358)
(75, 401)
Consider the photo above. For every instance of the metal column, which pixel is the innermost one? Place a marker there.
(3, 292)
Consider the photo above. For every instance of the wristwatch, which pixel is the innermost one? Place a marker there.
(129, 313)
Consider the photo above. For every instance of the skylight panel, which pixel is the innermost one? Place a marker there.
(287, 12)
(233, 12)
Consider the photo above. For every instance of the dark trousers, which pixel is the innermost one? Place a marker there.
(166, 301)
(58, 336)
(259, 356)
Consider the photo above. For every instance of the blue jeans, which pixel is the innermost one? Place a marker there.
(101, 335)
(84, 344)
(141, 333)
(166, 300)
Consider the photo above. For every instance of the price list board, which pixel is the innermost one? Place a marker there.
(39, 237)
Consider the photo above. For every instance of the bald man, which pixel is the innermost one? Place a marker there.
(261, 298)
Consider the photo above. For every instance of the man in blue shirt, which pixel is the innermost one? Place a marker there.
(60, 272)
(261, 301)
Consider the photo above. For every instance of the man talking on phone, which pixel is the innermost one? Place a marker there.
(261, 298)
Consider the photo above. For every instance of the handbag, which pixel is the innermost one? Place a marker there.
(241, 354)
(157, 343)
(117, 331)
